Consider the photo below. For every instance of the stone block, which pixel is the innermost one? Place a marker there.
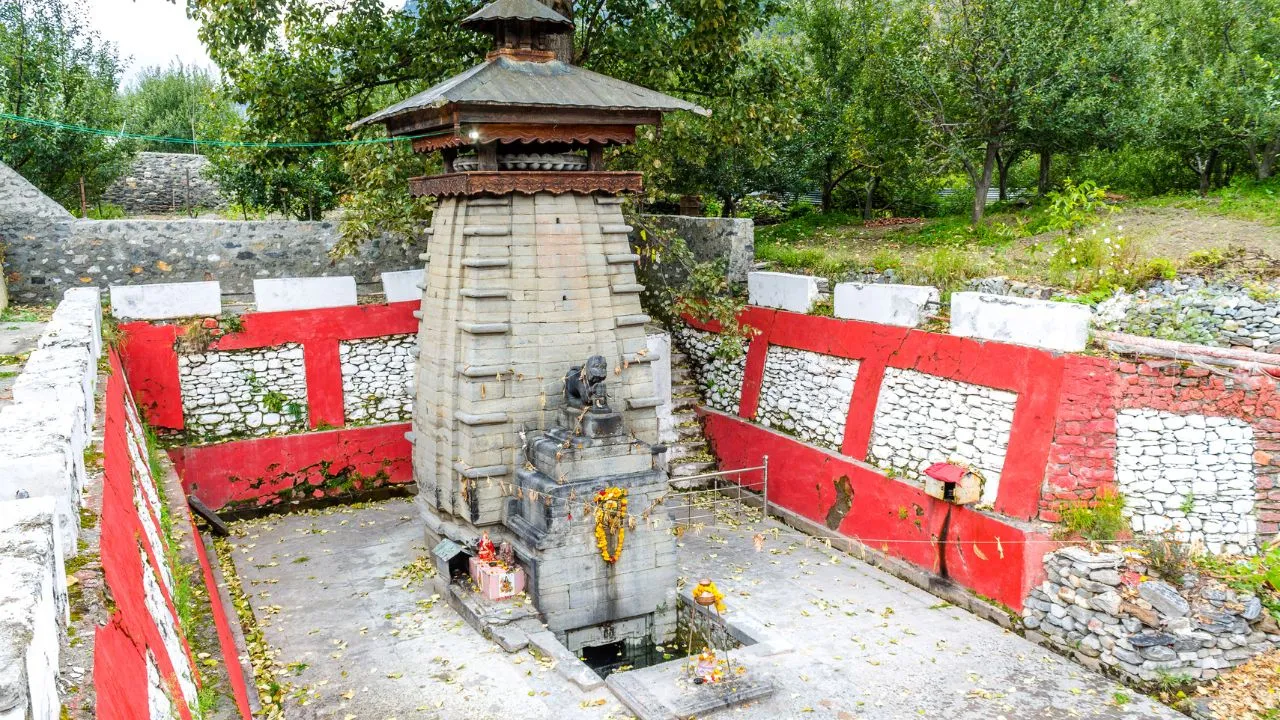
(276, 294)
(163, 301)
(403, 285)
(38, 465)
(658, 351)
(902, 305)
(1022, 321)
(32, 608)
(785, 291)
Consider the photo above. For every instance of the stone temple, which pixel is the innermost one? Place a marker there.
(530, 274)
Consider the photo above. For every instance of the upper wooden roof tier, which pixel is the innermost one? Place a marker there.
(488, 17)
(536, 92)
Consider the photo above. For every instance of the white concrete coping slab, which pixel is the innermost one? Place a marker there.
(39, 465)
(29, 633)
(1059, 326)
(402, 285)
(275, 294)
(784, 291)
(30, 527)
(885, 303)
(165, 301)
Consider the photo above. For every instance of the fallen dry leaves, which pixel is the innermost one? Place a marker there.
(1250, 691)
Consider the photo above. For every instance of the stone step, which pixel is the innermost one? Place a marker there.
(685, 387)
(680, 375)
(683, 470)
(680, 451)
(683, 403)
(688, 432)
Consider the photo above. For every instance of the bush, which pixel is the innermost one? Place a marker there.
(1101, 520)
(1166, 557)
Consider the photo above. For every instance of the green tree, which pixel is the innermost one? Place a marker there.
(306, 70)
(1215, 94)
(179, 101)
(53, 67)
(971, 72)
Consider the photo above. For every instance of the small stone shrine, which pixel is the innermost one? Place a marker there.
(529, 273)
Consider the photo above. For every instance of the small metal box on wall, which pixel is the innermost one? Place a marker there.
(953, 483)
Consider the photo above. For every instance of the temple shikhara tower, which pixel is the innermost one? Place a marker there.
(530, 280)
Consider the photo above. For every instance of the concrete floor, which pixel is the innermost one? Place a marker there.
(356, 644)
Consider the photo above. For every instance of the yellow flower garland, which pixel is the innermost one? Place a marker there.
(611, 513)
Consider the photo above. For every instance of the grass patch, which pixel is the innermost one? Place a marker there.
(1243, 199)
(805, 227)
(1099, 520)
(27, 313)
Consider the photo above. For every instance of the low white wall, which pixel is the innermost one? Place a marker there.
(43, 435)
(888, 304)
(784, 291)
(1044, 324)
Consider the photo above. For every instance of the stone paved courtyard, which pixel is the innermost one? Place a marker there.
(356, 644)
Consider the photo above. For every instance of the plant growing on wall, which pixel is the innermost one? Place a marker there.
(1100, 520)
(677, 284)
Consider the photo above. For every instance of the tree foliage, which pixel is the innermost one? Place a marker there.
(53, 67)
(178, 101)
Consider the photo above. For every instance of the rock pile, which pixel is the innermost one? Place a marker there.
(377, 378)
(1104, 611)
(1224, 314)
(244, 392)
(719, 379)
(806, 394)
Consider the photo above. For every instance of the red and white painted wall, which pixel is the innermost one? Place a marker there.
(310, 398)
(850, 411)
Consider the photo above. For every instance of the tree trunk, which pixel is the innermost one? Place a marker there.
(1267, 159)
(1204, 168)
(1042, 184)
(828, 187)
(561, 44)
(728, 207)
(869, 197)
(982, 181)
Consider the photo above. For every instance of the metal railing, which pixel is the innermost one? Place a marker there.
(720, 493)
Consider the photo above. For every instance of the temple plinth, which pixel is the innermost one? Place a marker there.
(530, 273)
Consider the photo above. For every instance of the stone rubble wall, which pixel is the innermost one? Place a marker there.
(48, 251)
(234, 393)
(806, 394)
(43, 436)
(719, 379)
(1191, 473)
(159, 182)
(1099, 609)
(378, 378)
(708, 239)
(922, 419)
(1221, 314)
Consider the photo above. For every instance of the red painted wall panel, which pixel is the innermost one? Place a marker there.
(270, 470)
(996, 557)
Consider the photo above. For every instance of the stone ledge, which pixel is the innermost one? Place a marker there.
(482, 294)
(622, 258)
(485, 262)
(477, 473)
(482, 419)
(631, 320)
(486, 231)
(626, 289)
(485, 328)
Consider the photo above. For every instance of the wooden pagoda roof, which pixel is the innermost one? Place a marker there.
(540, 92)
(531, 10)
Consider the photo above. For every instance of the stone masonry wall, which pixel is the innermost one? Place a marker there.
(708, 239)
(164, 182)
(48, 251)
(921, 419)
(378, 378)
(1191, 473)
(244, 392)
(1244, 407)
(806, 394)
(720, 379)
(1104, 610)
(1188, 309)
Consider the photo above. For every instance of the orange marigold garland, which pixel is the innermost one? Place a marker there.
(611, 513)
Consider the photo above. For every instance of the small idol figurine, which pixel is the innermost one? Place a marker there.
(707, 670)
(506, 555)
(484, 548)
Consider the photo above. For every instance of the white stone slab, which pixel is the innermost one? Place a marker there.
(659, 346)
(1040, 323)
(402, 286)
(276, 294)
(887, 304)
(163, 301)
(784, 291)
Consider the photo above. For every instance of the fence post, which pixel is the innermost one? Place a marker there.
(765, 472)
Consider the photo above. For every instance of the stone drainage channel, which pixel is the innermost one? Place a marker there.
(353, 627)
